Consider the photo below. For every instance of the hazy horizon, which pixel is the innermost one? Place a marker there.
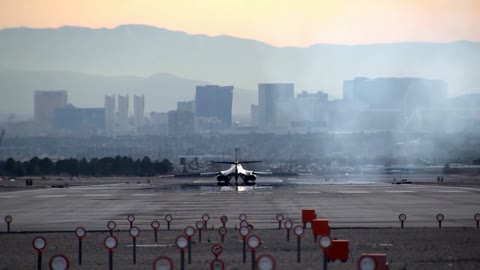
(279, 23)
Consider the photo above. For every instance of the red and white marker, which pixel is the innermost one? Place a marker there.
(266, 262)
(242, 217)
(279, 218)
(59, 262)
(217, 249)
(168, 219)
(163, 263)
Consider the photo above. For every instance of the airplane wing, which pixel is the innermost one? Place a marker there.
(250, 161)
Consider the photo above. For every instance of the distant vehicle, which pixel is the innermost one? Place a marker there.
(236, 171)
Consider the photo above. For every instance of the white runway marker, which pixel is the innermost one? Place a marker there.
(354, 192)
(400, 191)
(50, 196)
(449, 191)
(97, 195)
(309, 192)
(143, 194)
(8, 197)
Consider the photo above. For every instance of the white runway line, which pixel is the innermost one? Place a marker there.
(400, 191)
(97, 195)
(354, 192)
(50, 196)
(449, 191)
(309, 192)
(143, 194)
(8, 197)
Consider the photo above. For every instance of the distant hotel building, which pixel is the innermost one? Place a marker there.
(82, 121)
(110, 114)
(214, 102)
(123, 113)
(272, 98)
(45, 103)
(402, 93)
(139, 111)
(181, 123)
(186, 106)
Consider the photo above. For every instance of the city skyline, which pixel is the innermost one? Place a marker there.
(279, 23)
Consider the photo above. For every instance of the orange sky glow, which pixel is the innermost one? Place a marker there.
(277, 22)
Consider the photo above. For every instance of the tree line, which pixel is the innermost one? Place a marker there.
(106, 166)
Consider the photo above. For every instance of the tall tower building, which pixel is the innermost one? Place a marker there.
(123, 113)
(45, 103)
(110, 114)
(213, 101)
(138, 111)
(271, 96)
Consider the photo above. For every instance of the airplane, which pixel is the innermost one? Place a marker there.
(236, 171)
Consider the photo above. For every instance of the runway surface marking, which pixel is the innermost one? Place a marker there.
(50, 196)
(97, 195)
(353, 191)
(8, 197)
(309, 192)
(400, 191)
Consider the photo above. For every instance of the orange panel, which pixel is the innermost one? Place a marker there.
(308, 215)
(320, 227)
(338, 250)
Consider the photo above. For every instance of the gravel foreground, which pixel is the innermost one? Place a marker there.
(406, 249)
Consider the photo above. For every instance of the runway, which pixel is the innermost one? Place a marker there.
(352, 204)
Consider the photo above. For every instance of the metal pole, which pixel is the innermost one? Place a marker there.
(439, 224)
(325, 260)
(402, 224)
(199, 236)
(478, 222)
(279, 224)
(110, 259)
(156, 238)
(253, 259)
(244, 251)
(134, 250)
(288, 235)
(79, 251)
(111, 232)
(189, 250)
(168, 226)
(8, 227)
(182, 260)
(298, 249)
(39, 260)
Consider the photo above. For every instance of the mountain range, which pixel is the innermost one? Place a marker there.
(166, 65)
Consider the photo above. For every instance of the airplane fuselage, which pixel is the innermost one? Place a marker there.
(236, 171)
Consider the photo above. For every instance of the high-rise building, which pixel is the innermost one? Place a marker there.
(85, 121)
(45, 103)
(181, 123)
(186, 106)
(403, 93)
(312, 107)
(110, 114)
(271, 100)
(213, 101)
(123, 113)
(139, 111)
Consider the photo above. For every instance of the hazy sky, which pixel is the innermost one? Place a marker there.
(278, 22)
